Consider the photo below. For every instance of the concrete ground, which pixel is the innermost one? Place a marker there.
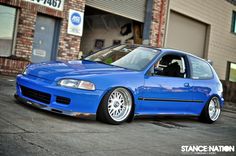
(27, 131)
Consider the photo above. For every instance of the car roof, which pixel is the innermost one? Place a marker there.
(181, 52)
(164, 50)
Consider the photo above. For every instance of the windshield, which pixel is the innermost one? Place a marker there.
(125, 56)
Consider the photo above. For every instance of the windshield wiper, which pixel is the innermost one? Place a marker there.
(119, 66)
(100, 62)
(94, 61)
(105, 63)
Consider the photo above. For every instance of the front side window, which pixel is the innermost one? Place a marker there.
(170, 65)
(200, 69)
(233, 27)
(7, 24)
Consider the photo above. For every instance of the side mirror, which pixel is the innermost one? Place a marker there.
(151, 71)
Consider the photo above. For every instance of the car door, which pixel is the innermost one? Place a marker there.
(46, 37)
(203, 83)
(167, 94)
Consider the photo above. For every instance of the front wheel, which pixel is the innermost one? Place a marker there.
(211, 111)
(116, 106)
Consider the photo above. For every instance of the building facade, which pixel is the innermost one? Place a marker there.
(205, 28)
(31, 31)
(38, 30)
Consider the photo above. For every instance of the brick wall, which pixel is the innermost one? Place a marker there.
(68, 44)
(159, 14)
(10, 66)
(25, 33)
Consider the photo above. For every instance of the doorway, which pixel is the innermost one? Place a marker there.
(46, 38)
(103, 29)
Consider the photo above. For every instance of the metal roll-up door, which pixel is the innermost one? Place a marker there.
(133, 9)
(186, 34)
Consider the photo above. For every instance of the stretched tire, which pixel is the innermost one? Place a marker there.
(211, 111)
(116, 106)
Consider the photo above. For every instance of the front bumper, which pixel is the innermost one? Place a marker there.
(48, 108)
(82, 102)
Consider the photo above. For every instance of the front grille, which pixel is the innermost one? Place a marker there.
(62, 100)
(36, 95)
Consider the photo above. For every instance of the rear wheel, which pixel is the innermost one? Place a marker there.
(116, 106)
(211, 111)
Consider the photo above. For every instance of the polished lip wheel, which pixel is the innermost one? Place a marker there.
(214, 109)
(119, 104)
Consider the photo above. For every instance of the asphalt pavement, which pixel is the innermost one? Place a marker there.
(28, 131)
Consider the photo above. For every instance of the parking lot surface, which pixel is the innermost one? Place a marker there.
(27, 131)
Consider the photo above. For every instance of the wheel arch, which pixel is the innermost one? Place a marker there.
(215, 95)
(131, 116)
(204, 116)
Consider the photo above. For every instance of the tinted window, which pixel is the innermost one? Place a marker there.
(232, 72)
(7, 18)
(233, 27)
(171, 66)
(200, 69)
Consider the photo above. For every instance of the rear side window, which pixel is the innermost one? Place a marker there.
(200, 69)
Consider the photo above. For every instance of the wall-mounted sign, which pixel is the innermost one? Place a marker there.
(54, 4)
(75, 22)
(39, 52)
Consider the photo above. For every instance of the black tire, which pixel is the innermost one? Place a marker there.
(205, 115)
(103, 114)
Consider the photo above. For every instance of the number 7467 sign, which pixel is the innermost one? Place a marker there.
(54, 4)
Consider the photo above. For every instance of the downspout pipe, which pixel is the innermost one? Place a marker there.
(147, 22)
(159, 38)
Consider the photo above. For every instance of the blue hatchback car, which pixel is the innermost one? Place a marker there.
(124, 81)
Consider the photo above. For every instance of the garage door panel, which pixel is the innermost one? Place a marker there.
(133, 9)
(186, 34)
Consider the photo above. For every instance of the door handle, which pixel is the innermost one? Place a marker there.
(186, 85)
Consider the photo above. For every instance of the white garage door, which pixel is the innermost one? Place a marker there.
(186, 34)
(133, 9)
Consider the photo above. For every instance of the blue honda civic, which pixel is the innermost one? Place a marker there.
(121, 82)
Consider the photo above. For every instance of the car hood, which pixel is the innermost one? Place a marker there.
(59, 69)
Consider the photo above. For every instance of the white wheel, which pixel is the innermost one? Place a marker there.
(116, 106)
(211, 111)
(214, 109)
(119, 104)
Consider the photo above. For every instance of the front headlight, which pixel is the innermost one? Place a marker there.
(72, 83)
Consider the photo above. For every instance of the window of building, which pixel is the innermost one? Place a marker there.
(231, 72)
(7, 27)
(200, 69)
(233, 28)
